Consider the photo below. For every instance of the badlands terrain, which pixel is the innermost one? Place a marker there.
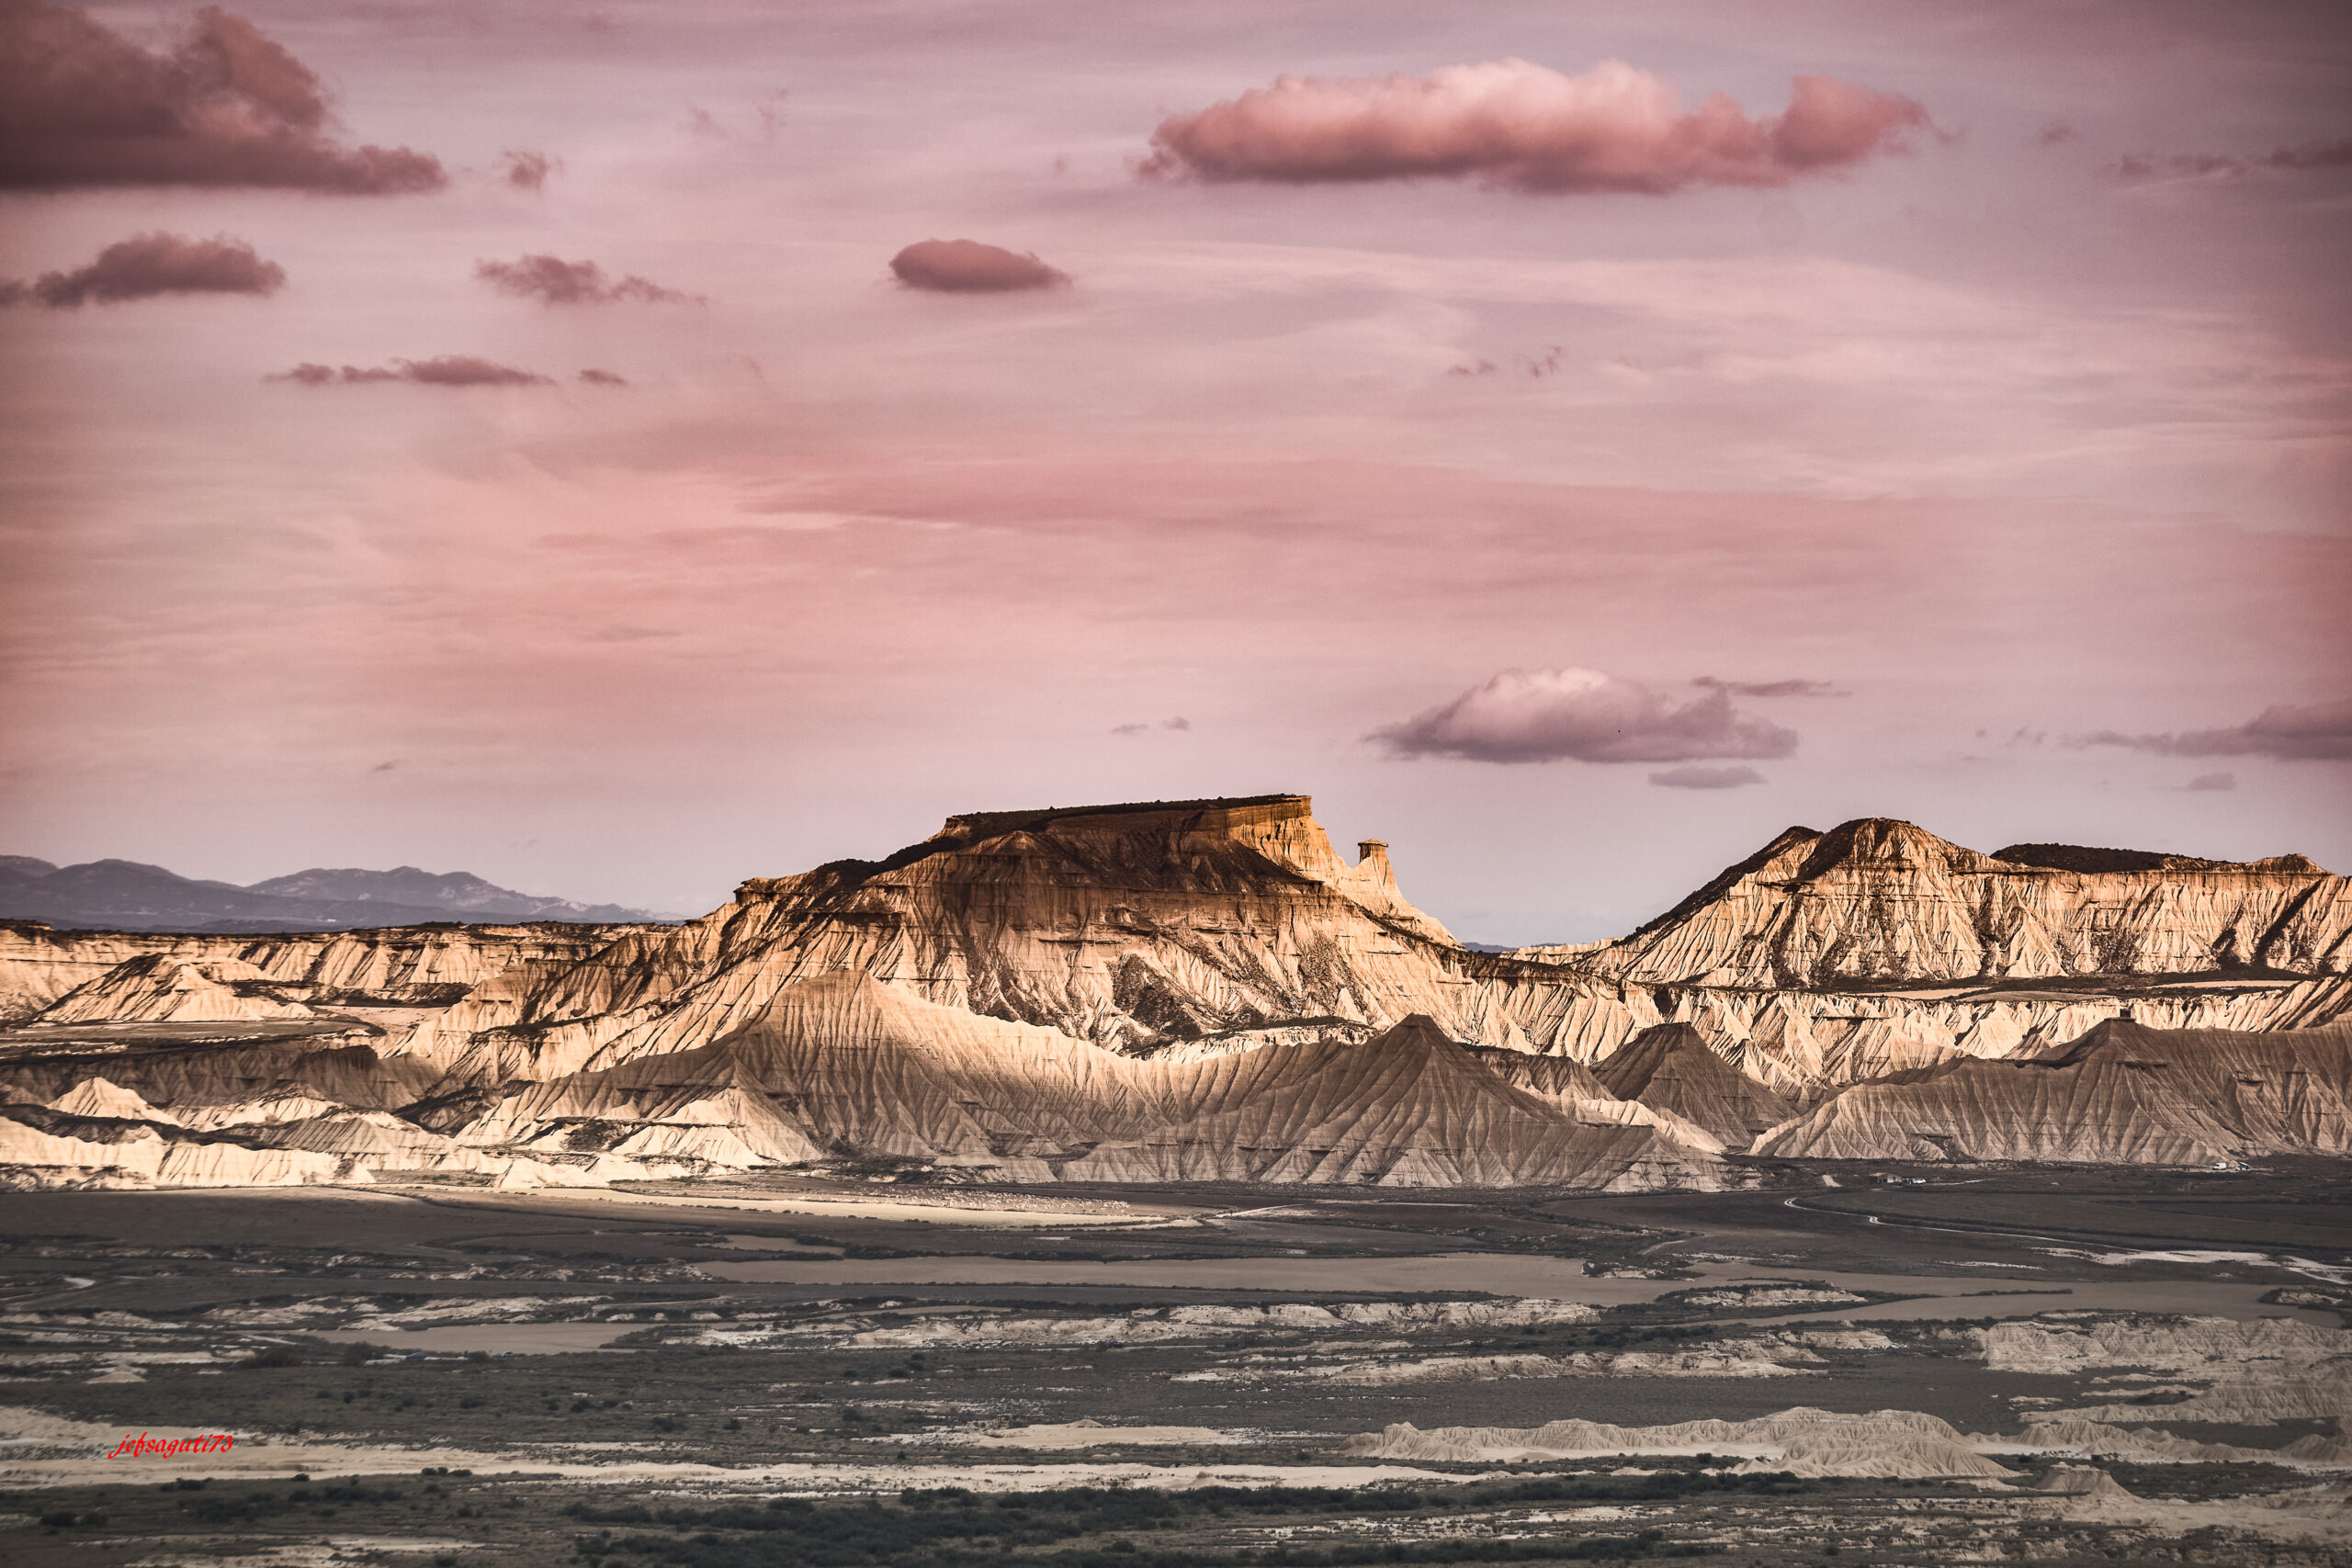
(1206, 991)
(1153, 1185)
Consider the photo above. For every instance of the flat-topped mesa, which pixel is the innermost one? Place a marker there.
(1876, 900)
(1184, 846)
(1210, 924)
(1148, 830)
(2076, 857)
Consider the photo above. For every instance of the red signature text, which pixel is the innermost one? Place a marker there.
(144, 1446)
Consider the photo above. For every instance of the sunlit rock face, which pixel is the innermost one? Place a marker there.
(1177, 991)
(396, 966)
(1199, 928)
(1881, 900)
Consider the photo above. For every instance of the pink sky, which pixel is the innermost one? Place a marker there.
(1313, 370)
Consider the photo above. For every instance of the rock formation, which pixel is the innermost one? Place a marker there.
(2122, 1094)
(406, 968)
(1803, 1442)
(1882, 901)
(1670, 1068)
(1195, 990)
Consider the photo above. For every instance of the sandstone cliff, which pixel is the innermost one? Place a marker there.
(1879, 900)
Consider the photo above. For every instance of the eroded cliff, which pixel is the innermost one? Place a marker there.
(1164, 991)
(1877, 900)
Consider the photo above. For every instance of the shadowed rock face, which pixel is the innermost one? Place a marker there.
(2121, 1094)
(1671, 1068)
(1883, 901)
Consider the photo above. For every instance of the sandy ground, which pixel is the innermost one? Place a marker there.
(940, 1212)
(30, 1442)
(1555, 1278)
(1090, 1434)
(497, 1338)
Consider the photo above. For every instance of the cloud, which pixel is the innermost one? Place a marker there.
(526, 170)
(1546, 715)
(1773, 688)
(1691, 776)
(449, 370)
(385, 767)
(81, 107)
(2056, 133)
(596, 378)
(2322, 732)
(553, 281)
(149, 265)
(1179, 722)
(968, 266)
(2212, 780)
(1527, 128)
(2139, 168)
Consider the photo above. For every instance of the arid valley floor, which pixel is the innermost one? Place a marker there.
(2012, 1366)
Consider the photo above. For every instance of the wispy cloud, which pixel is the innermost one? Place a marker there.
(2140, 168)
(554, 281)
(447, 370)
(1693, 776)
(2322, 732)
(1773, 688)
(525, 170)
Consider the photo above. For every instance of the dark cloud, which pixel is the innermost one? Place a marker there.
(2136, 168)
(449, 370)
(968, 266)
(1693, 776)
(149, 265)
(1179, 722)
(525, 170)
(553, 281)
(1528, 127)
(2322, 732)
(2056, 133)
(82, 107)
(595, 377)
(2213, 781)
(1773, 688)
(1548, 715)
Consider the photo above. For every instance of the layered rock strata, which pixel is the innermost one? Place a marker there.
(1877, 900)
(2122, 1094)
(1168, 991)
(846, 1065)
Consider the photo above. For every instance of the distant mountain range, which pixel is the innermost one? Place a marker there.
(121, 894)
